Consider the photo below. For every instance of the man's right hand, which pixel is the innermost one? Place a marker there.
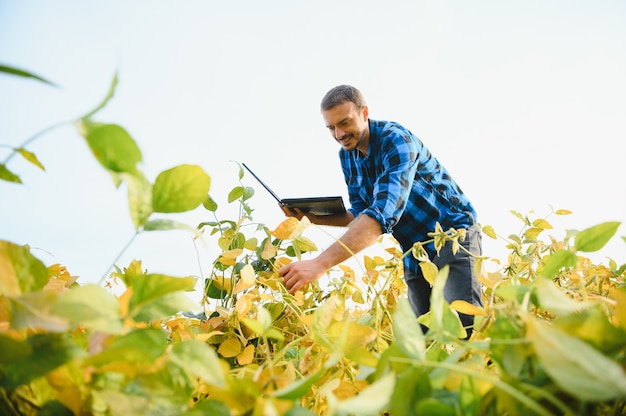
(298, 213)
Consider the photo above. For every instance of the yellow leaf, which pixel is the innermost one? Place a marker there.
(124, 301)
(229, 257)
(290, 228)
(541, 223)
(223, 283)
(269, 250)
(285, 229)
(490, 280)
(619, 295)
(224, 242)
(351, 334)
(419, 252)
(246, 356)
(251, 244)
(243, 306)
(532, 233)
(563, 212)
(232, 254)
(246, 278)
(227, 261)
(357, 297)
(204, 337)
(304, 243)
(306, 319)
(489, 231)
(467, 308)
(430, 271)
(298, 298)
(230, 348)
(280, 262)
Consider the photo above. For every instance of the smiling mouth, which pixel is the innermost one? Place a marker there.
(346, 138)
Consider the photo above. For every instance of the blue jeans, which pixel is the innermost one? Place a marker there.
(462, 283)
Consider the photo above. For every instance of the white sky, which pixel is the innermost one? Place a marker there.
(523, 102)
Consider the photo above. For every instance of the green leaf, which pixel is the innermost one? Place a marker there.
(248, 192)
(300, 387)
(513, 292)
(511, 356)
(166, 225)
(180, 189)
(452, 323)
(147, 287)
(575, 366)
(209, 407)
(213, 291)
(33, 310)
(407, 331)
(54, 408)
(470, 397)
(157, 296)
(46, 352)
(434, 407)
(12, 349)
(235, 193)
(20, 271)
(556, 301)
(113, 147)
(253, 325)
(322, 319)
(415, 386)
(210, 204)
(200, 360)
(25, 74)
(594, 327)
(594, 238)
(118, 403)
(92, 306)
(275, 333)
(372, 400)
(437, 301)
(140, 345)
(557, 261)
(139, 198)
(7, 175)
(106, 99)
(171, 386)
(304, 244)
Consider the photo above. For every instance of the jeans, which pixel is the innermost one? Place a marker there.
(462, 283)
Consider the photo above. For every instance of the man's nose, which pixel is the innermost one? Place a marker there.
(339, 134)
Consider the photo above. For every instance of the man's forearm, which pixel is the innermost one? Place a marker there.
(336, 220)
(361, 234)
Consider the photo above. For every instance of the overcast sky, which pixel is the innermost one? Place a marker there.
(523, 102)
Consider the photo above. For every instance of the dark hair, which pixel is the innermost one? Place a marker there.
(342, 94)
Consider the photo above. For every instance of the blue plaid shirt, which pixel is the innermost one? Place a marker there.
(404, 187)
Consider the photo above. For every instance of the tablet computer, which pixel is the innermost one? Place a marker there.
(321, 205)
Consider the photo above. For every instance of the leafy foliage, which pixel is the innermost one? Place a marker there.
(551, 338)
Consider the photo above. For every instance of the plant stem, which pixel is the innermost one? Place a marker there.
(33, 138)
(104, 275)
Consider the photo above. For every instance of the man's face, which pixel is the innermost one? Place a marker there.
(348, 125)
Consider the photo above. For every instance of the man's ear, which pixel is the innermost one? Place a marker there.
(366, 112)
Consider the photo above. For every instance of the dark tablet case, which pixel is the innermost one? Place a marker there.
(321, 205)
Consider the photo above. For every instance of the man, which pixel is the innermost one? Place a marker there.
(396, 186)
